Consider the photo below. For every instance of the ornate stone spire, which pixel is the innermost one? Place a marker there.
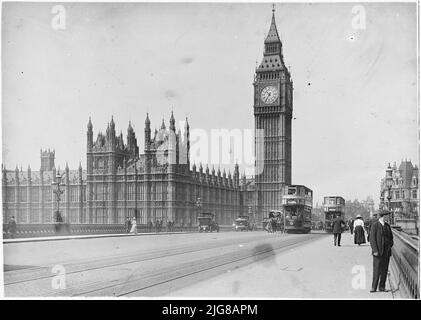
(273, 35)
(89, 124)
(147, 121)
(112, 124)
(172, 122)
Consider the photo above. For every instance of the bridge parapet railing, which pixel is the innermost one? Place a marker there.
(405, 262)
(31, 230)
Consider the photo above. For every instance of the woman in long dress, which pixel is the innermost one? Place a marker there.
(134, 226)
(359, 236)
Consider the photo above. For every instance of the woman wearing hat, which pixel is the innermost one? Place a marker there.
(359, 236)
(134, 226)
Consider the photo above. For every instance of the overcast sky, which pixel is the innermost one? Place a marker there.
(355, 91)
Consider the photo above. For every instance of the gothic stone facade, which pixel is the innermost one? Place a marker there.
(159, 183)
(28, 195)
(119, 182)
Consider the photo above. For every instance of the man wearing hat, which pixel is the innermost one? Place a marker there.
(338, 225)
(381, 241)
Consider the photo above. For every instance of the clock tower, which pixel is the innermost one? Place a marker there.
(273, 113)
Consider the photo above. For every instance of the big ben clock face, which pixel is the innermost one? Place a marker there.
(269, 94)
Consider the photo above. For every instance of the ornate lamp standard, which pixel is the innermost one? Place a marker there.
(58, 192)
(389, 184)
(381, 205)
(198, 206)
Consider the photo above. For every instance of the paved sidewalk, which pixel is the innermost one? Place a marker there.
(317, 270)
(88, 236)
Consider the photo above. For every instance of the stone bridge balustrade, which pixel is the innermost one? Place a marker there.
(404, 264)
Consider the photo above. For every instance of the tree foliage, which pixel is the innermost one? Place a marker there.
(354, 208)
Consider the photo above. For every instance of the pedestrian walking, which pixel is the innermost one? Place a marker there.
(381, 241)
(338, 225)
(11, 227)
(358, 226)
(273, 225)
(128, 225)
(351, 225)
(134, 226)
(320, 225)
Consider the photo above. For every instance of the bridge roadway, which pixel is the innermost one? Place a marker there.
(225, 264)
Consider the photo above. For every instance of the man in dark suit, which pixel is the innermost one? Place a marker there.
(338, 224)
(381, 241)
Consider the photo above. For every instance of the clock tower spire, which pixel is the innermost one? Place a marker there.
(272, 36)
(273, 114)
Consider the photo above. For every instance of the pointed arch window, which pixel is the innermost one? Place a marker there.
(10, 194)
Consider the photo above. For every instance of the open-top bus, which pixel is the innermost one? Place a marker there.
(333, 206)
(297, 203)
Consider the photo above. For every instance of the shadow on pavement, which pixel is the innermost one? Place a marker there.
(264, 254)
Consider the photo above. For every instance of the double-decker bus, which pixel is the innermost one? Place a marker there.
(333, 206)
(297, 203)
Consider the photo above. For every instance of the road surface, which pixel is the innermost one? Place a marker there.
(136, 266)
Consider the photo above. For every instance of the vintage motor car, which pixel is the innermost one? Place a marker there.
(242, 223)
(207, 223)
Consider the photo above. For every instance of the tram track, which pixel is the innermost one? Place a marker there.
(270, 251)
(142, 282)
(44, 272)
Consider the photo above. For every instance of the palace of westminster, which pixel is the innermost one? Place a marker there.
(120, 182)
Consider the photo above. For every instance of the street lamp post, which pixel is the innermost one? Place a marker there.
(58, 192)
(198, 206)
(389, 184)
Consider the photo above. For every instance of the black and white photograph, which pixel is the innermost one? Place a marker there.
(210, 150)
